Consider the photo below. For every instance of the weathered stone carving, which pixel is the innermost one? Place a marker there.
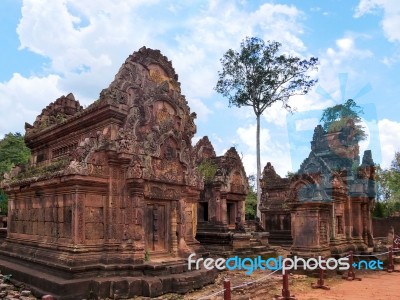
(112, 184)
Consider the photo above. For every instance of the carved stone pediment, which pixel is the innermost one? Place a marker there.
(55, 113)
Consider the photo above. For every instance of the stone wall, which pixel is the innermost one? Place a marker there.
(381, 226)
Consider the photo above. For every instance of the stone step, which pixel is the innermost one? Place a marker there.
(114, 287)
(396, 259)
(151, 286)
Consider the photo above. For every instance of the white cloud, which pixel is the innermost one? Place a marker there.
(345, 44)
(272, 149)
(391, 15)
(86, 41)
(346, 50)
(197, 106)
(306, 124)
(20, 98)
(276, 114)
(248, 136)
(389, 133)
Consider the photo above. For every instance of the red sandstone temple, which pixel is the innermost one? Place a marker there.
(108, 203)
(221, 225)
(325, 208)
(115, 196)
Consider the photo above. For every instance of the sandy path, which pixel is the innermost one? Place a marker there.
(374, 286)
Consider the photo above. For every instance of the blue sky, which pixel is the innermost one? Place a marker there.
(52, 47)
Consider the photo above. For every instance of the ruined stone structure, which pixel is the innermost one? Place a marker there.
(221, 208)
(325, 208)
(111, 190)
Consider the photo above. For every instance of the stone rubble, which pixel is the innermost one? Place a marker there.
(10, 292)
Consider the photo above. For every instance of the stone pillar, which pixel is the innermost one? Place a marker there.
(218, 207)
(136, 192)
(223, 211)
(369, 224)
(348, 226)
(174, 233)
(78, 221)
(357, 218)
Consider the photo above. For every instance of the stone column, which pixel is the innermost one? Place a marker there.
(223, 211)
(357, 217)
(217, 206)
(348, 226)
(78, 221)
(174, 233)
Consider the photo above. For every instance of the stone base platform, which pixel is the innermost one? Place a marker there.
(226, 243)
(121, 281)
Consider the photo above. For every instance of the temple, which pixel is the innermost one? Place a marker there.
(108, 203)
(325, 208)
(115, 196)
(221, 226)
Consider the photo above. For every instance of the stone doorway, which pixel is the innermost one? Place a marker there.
(202, 212)
(231, 213)
(157, 227)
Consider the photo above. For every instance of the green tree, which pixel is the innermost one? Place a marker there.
(208, 169)
(13, 151)
(336, 117)
(389, 186)
(379, 210)
(259, 75)
(251, 200)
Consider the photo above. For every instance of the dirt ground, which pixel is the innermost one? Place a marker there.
(374, 286)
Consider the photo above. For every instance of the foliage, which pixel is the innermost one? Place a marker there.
(208, 169)
(3, 203)
(13, 151)
(388, 187)
(258, 76)
(43, 170)
(7, 278)
(379, 210)
(251, 200)
(290, 174)
(147, 255)
(251, 205)
(336, 117)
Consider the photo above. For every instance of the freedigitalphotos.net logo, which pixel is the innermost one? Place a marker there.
(368, 265)
(258, 263)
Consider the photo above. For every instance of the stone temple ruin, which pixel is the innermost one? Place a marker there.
(221, 212)
(115, 197)
(325, 208)
(108, 203)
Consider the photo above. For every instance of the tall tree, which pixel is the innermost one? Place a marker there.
(259, 75)
(13, 151)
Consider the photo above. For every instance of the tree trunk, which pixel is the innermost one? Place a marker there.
(258, 167)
